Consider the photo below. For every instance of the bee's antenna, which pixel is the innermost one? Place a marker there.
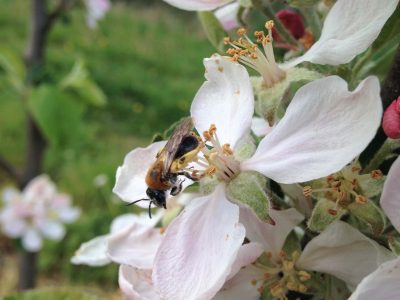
(144, 199)
(151, 202)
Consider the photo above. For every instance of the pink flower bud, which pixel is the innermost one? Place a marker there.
(292, 21)
(391, 120)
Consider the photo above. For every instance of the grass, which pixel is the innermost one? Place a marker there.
(148, 61)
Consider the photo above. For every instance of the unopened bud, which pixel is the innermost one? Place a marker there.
(292, 21)
(391, 120)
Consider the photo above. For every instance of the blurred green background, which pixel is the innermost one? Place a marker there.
(147, 59)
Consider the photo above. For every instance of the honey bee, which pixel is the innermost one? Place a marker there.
(162, 177)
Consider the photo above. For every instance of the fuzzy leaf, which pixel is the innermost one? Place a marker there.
(369, 213)
(249, 189)
(320, 216)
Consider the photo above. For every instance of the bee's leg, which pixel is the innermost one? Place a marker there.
(188, 175)
(176, 189)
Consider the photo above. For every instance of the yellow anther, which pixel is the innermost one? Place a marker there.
(295, 255)
(332, 212)
(302, 288)
(227, 40)
(307, 191)
(376, 174)
(241, 31)
(291, 286)
(269, 24)
(361, 199)
(267, 40)
(212, 130)
(277, 289)
(253, 282)
(227, 149)
(304, 276)
(287, 265)
(253, 56)
(207, 136)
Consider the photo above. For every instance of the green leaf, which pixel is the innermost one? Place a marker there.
(79, 83)
(14, 68)
(58, 115)
(52, 294)
(249, 189)
(213, 29)
(321, 217)
(370, 214)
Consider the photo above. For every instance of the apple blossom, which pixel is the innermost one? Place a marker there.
(349, 29)
(228, 15)
(340, 250)
(96, 10)
(36, 212)
(324, 127)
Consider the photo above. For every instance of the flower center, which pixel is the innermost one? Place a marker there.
(282, 275)
(248, 53)
(343, 187)
(216, 159)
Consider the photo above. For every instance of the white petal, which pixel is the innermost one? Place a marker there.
(349, 29)
(52, 230)
(390, 199)
(225, 99)
(92, 253)
(272, 237)
(382, 284)
(197, 5)
(130, 182)
(199, 248)
(243, 286)
(228, 16)
(260, 127)
(14, 227)
(247, 254)
(69, 214)
(127, 220)
(324, 128)
(135, 246)
(344, 252)
(10, 194)
(136, 284)
(39, 188)
(31, 240)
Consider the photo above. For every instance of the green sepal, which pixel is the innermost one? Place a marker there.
(394, 244)
(245, 148)
(249, 189)
(320, 216)
(208, 185)
(370, 214)
(370, 186)
(213, 29)
(271, 102)
(292, 244)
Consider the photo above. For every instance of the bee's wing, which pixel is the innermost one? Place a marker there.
(173, 143)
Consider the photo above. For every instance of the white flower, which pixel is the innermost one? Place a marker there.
(383, 283)
(96, 10)
(198, 5)
(39, 211)
(349, 29)
(340, 250)
(324, 127)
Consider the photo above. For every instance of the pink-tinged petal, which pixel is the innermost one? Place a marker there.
(244, 285)
(136, 284)
(225, 99)
(260, 127)
(13, 227)
(197, 5)
(382, 284)
(247, 254)
(127, 220)
(228, 16)
(390, 199)
(323, 129)
(349, 29)
(52, 230)
(199, 248)
(344, 252)
(272, 237)
(69, 214)
(130, 182)
(31, 240)
(39, 188)
(96, 10)
(135, 246)
(92, 253)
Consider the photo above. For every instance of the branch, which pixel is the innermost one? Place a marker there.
(61, 7)
(9, 169)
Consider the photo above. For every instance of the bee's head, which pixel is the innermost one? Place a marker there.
(157, 197)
